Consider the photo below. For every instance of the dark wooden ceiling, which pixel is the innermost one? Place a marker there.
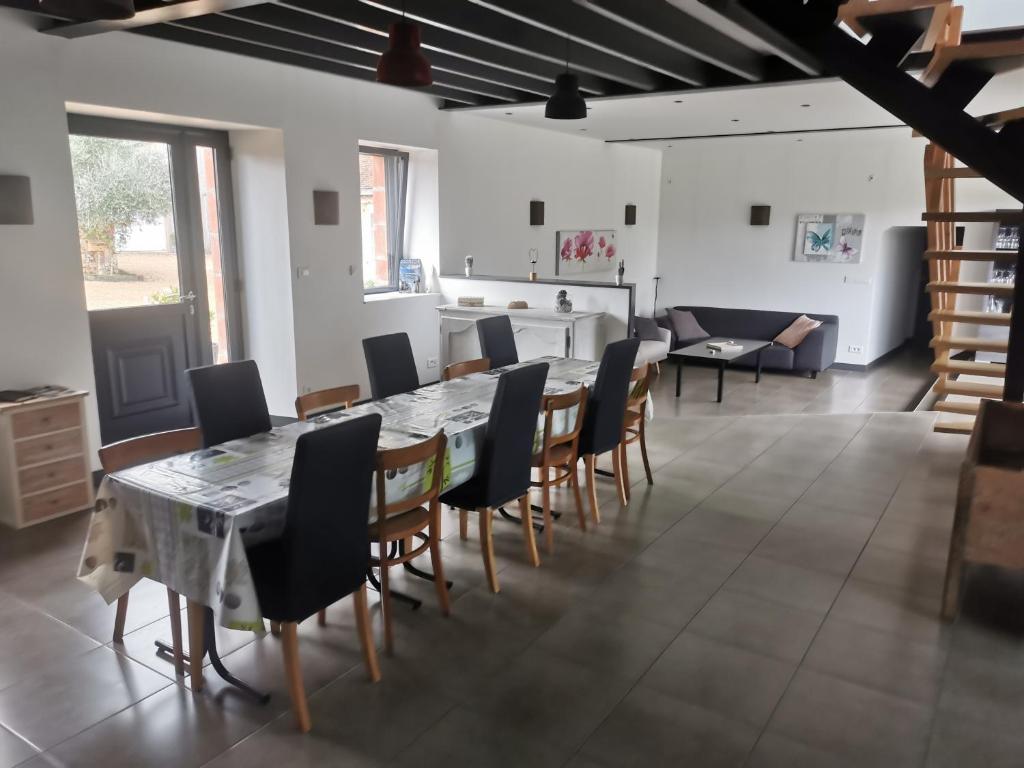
(485, 52)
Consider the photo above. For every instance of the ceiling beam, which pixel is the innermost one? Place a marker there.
(189, 36)
(732, 12)
(563, 17)
(660, 21)
(245, 31)
(496, 30)
(364, 17)
(162, 14)
(375, 41)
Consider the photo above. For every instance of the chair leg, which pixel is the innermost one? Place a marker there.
(463, 524)
(589, 462)
(362, 612)
(196, 643)
(643, 453)
(297, 691)
(435, 563)
(528, 536)
(174, 605)
(119, 618)
(617, 469)
(385, 603)
(321, 617)
(574, 481)
(624, 466)
(549, 529)
(275, 628)
(487, 548)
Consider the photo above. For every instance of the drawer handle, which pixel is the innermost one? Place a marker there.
(48, 447)
(45, 419)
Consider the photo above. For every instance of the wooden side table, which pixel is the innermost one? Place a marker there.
(44, 459)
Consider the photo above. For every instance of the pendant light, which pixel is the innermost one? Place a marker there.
(403, 63)
(89, 10)
(566, 103)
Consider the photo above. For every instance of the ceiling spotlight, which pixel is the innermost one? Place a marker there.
(735, 120)
(679, 101)
(403, 63)
(566, 103)
(508, 113)
(805, 105)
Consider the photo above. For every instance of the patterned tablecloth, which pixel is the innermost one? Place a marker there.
(185, 521)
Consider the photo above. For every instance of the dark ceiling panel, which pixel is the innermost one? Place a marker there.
(163, 12)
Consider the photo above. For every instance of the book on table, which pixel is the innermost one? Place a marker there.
(724, 346)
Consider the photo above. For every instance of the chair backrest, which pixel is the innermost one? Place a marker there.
(606, 407)
(639, 387)
(430, 452)
(553, 406)
(511, 428)
(229, 401)
(391, 365)
(455, 370)
(497, 341)
(313, 403)
(142, 450)
(326, 539)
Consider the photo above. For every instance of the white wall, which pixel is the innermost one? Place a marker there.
(487, 175)
(710, 255)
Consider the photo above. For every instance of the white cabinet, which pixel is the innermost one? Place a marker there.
(538, 333)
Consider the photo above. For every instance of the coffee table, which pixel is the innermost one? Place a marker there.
(700, 351)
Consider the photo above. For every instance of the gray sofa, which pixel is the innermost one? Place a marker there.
(816, 353)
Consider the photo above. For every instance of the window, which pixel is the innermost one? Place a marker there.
(383, 181)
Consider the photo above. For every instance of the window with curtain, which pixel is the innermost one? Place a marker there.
(383, 181)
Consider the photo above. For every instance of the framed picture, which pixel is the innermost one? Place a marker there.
(834, 238)
(410, 275)
(590, 252)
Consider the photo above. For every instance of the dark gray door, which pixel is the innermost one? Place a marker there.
(157, 245)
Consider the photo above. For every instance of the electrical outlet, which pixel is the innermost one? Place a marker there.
(431, 362)
(856, 349)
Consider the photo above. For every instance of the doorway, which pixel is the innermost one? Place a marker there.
(156, 236)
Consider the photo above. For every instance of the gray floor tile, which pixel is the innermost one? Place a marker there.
(722, 529)
(775, 751)
(891, 610)
(784, 583)
(13, 750)
(811, 548)
(957, 742)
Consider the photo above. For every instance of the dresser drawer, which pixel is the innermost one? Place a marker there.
(38, 450)
(54, 502)
(42, 420)
(45, 476)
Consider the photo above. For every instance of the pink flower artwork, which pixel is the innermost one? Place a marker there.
(567, 249)
(585, 251)
(602, 242)
(609, 252)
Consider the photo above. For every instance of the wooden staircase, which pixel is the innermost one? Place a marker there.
(956, 73)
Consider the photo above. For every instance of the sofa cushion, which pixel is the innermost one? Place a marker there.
(686, 326)
(797, 332)
(646, 329)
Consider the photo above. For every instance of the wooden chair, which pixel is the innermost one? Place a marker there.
(130, 453)
(633, 429)
(456, 370)
(314, 403)
(560, 454)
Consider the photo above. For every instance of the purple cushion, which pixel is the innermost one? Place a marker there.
(686, 326)
(646, 329)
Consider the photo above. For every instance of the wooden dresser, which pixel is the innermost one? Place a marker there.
(44, 459)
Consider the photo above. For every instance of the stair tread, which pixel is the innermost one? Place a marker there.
(959, 427)
(970, 368)
(965, 316)
(998, 119)
(960, 255)
(1003, 290)
(853, 11)
(961, 172)
(969, 389)
(1006, 53)
(963, 407)
(970, 342)
(1002, 217)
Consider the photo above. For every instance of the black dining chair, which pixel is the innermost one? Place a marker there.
(497, 341)
(391, 365)
(324, 552)
(503, 472)
(229, 401)
(606, 410)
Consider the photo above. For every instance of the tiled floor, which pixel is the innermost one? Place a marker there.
(771, 601)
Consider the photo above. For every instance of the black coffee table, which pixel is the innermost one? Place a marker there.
(701, 352)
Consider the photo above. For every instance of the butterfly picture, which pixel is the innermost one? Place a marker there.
(818, 239)
(844, 250)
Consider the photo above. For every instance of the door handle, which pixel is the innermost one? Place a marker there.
(190, 298)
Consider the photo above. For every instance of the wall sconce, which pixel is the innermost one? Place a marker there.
(15, 200)
(325, 207)
(536, 213)
(630, 215)
(760, 215)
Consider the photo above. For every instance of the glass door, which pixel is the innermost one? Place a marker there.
(158, 265)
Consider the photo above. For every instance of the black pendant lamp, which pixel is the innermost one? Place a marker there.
(566, 103)
(403, 63)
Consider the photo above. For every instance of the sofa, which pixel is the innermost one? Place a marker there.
(815, 353)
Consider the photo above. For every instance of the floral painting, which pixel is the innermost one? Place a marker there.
(590, 252)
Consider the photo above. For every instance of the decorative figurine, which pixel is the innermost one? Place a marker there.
(620, 272)
(563, 303)
(534, 255)
(469, 266)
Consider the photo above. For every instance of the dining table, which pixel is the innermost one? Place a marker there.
(186, 521)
